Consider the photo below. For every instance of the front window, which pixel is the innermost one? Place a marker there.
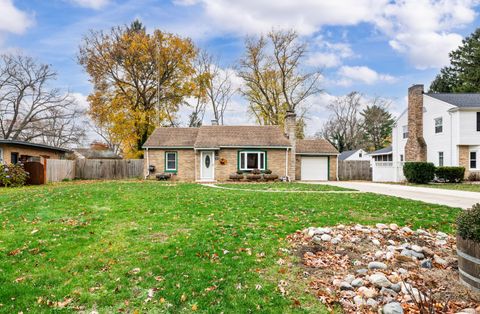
(440, 159)
(473, 160)
(478, 121)
(252, 160)
(405, 131)
(401, 157)
(438, 125)
(171, 161)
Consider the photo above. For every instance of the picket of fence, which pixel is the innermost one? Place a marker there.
(60, 170)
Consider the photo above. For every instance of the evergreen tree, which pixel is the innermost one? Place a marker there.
(463, 74)
(377, 125)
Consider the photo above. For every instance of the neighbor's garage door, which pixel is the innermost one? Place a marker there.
(314, 168)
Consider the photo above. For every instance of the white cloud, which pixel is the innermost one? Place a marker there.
(361, 74)
(423, 30)
(12, 19)
(92, 4)
(327, 55)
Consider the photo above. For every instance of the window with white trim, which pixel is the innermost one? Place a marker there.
(252, 160)
(405, 131)
(440, 159)
(170, 161)
(473, 160)
(438, 125)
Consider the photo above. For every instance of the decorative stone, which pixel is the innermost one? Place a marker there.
(440, 242)
(381, 226)
(396, 287)
(406, 230)
(378, 254)
(367, 292)
(377, 265)
(417, 248)
(372, 303)
(426, 263)
(421, 232)
(470, 310)
(393, 227)
(357, 283)
(345, 286)
(427, 251)
(349, 278)
(389, 255)
(418, 255)
(392, 308)
(376, 242)
(402, 271)
(362, 271)
(335, 240)
(437, 259)
(326, 237)
(358, 300)
(380, 280)
(388, 292)
(441, 235)
(317, 240)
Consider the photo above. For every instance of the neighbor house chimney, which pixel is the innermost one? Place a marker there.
(214, 122)
(291, 133)
(416, 148)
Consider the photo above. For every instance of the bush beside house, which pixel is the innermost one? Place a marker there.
(450, 174)
(419, 172)
(13, 175)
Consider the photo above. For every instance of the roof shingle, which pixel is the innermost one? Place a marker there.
(172, 137)
(317, 146)
(463, 100)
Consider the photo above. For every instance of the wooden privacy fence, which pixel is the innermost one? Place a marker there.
(108, 168)
(59, 170)
(354, 170)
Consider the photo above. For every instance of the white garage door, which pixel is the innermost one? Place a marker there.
(314, 168)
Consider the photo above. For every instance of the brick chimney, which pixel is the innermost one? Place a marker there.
(291, 133)
(416, 148)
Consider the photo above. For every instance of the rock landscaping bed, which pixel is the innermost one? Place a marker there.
(383, 268)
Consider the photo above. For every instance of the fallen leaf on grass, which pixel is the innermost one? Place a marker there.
(194, 307)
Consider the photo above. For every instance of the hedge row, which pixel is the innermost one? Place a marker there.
(424, 172)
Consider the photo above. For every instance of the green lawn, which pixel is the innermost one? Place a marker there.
(283, 186)
(105, 244)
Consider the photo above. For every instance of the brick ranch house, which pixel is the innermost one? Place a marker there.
(212, 153)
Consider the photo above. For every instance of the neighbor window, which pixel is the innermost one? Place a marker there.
(401, 157)
(440, 159)
(478, 121)
(252, 160)
(438, 125)
(171, 161)
(360, 155)
(405, 131)
(473, 160)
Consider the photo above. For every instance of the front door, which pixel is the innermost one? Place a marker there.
(207, 165)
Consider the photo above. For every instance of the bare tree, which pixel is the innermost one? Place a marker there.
(107, 136)
(273, 76)
(30, 109)
(344, 126)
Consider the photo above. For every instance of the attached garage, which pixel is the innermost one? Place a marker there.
(314, 168)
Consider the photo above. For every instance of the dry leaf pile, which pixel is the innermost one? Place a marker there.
(384, 268)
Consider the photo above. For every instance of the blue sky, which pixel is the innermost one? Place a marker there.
(376, 47)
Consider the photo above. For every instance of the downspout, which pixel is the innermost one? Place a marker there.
(195, 162)
(286, 163)
(148, 166)
(336, 161)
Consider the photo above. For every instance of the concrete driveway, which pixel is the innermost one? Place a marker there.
(452, 198)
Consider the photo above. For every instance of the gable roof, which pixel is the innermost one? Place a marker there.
(344, 155)
(34, 145)
(218, 136)
(383, 151)
(172, 137)
(316, 146)
(224, 136)
(462, 100)
(89, 153)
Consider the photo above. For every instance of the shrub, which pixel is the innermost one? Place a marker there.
(256, 171)
(270, 177)
(236, 176)
(474, 176)
(268, 171)
(254, 177)
(239, 172)
(419, 172)
(450, 174)
(468, 223)
(13, 175)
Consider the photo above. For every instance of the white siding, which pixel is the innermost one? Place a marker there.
(468, 134)
(356, 155)
(398, 142)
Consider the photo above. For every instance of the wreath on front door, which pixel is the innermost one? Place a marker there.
(223, 161)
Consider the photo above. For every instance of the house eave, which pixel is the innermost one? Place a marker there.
(317, 154)
(167, 147)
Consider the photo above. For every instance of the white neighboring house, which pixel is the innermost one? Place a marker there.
(356, 154)
(441, 128)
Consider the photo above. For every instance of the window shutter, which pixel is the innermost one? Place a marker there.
(478, 121)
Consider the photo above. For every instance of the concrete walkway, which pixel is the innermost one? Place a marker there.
(452, 198)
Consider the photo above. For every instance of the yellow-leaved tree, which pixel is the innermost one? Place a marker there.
(139, 79)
